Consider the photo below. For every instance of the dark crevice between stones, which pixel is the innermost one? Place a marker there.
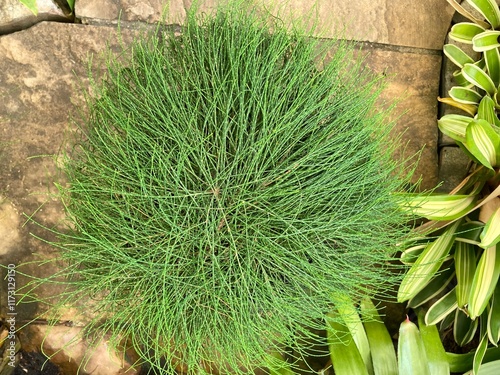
(453, 164)
(33, 363)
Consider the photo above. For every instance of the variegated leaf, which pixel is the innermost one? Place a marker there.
(465, 95)
(441, 308)
(485, 41)
(427, 264)
(454, 126)
(464, 12)
(463, 32)
(483, 142)
(465, 268)
(479, 78)
(434, 288)
(492, 59)
(464, 329)
(484, 282)
(488, 9)
(490, 235)
(438, 207)
(494, 318)
(486, 110)
(457, 56)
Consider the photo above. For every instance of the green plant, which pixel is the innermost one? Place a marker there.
(225, 184)
(457, 264)
(33, 7)
(420, 350)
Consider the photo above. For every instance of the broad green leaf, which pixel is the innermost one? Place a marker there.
(463, 32)
(441, 308)
(411, 352)
(465, 95)
(488, 9)
(427, 264)
(484, 282)
(454, 126)
(470, 232)
(349, 314)
(457, 56)
(279, 366)
(492, 58)
(464, 328)
(494, 318)
(439, 206)
(469, 155)
(479, 355)
(479, 78)
(434, 288)
(459, 79)
(381, 345)
(344, 353)
(485, 41)
(434, 350)
(490, 368)
(483, 142)
(486, 110)
(410, 255)
(490, 235)
(463, 362)
(465, 267)
(464, 12)
(31, 5)
(471, 109)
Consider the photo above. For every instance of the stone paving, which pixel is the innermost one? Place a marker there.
(43, 73)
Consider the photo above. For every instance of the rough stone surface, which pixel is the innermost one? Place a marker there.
(15, 16)
(151, 11)
(43, 73)
(453, 167)
(414, 84)
(72, 354)
(421, 24)
(9, 224)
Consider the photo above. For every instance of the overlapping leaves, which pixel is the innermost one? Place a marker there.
(457, 264)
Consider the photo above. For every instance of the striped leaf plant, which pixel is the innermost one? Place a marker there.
(453, 274)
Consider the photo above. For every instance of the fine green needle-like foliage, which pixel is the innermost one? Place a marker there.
(226, 183)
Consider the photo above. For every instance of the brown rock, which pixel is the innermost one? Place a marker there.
(414, 84)
(421, 24)
(14, 16)
(66, 349)
(43, 74)
(95, 11)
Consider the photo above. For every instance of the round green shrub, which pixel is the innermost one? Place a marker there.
(226, 184)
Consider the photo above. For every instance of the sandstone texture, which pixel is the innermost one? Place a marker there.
(44, 75)
(14, 16)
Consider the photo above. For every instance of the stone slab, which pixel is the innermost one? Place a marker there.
(14, 16)
(453, 167)
(413, 82)
(43, 75)
(419, 24)
(66, 349)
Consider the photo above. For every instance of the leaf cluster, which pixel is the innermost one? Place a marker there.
(455, 267)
